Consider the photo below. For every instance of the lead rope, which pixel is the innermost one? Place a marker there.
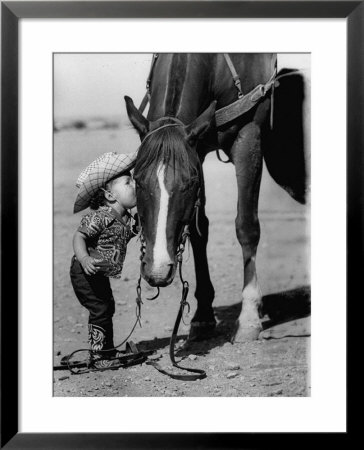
(196, 374)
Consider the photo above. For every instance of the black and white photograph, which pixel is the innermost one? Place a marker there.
(181, 224)
(181, 196)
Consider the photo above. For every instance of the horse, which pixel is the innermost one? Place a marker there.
(179, 131)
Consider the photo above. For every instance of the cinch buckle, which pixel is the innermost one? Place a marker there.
(238, 86)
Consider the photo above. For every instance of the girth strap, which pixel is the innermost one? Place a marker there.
(245, 103)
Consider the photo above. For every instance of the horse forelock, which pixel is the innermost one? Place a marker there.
(168, 146)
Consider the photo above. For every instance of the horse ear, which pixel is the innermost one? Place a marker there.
(199, 126)
(136, 117)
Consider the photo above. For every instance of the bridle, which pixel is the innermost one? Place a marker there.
(176, 123)
(184, 235)
(195, 214)
(182, 240)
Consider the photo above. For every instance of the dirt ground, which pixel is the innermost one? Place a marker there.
(275, 365)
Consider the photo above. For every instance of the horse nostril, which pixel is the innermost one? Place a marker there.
(170, 273)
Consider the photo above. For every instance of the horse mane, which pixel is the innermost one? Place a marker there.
(168, 146)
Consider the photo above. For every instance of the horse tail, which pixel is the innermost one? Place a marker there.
(287, 149)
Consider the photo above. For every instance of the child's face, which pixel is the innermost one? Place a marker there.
(123, 189)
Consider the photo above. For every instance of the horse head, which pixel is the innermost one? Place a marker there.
(168, 180)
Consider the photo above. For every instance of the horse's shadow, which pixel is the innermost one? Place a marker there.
(277, 308)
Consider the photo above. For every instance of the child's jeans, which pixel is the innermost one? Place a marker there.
(95, 294)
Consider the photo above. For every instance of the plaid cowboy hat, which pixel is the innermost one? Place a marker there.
(98, 173)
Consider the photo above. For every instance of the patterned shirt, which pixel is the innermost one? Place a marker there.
(107, 238)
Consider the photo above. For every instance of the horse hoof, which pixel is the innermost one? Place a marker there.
(200, 331)
(248, 333)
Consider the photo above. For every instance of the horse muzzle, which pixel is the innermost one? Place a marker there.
(158, 276)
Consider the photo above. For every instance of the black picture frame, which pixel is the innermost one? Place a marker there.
(11, 13)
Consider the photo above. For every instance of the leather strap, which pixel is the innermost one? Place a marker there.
(245, 103)
(131, 357)
(146, 98)
(234, 110)
(198, 374)
(144, 102)
(235, 75)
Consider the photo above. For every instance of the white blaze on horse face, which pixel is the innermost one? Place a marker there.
(160, 252)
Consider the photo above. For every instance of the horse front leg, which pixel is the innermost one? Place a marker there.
(247, 157)
(203, 322)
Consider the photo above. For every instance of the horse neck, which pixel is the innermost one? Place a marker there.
(181, 86)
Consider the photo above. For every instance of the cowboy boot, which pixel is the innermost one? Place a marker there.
(100, 341)
(109, 340)
(96, 337)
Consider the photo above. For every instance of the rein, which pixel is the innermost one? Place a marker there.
(196, 374)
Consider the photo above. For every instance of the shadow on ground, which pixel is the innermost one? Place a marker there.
(280, 308)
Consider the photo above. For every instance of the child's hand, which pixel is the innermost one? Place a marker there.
(87, 263)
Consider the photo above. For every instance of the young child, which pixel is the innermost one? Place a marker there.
(100, 243)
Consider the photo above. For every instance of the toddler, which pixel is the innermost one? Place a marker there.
(100, 243)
